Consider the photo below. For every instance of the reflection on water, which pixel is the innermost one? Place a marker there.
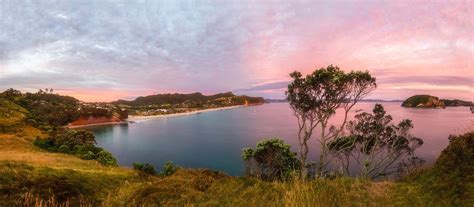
(215, 139)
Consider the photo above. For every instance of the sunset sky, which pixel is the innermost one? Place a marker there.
(107, 50)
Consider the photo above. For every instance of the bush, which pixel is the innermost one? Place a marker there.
(454, 169)
(144, 167)
(63, 149)
(72, 138)
(270, 160)
(168, 169)
(84, 149)
(89, 156)
(47, 144)
(106, 158)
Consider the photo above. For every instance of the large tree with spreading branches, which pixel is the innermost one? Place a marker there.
(314, 100)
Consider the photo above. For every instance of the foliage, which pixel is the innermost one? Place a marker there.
(314, 100)
(193, 100)
(73, 138)
(11, 114)
(144, 167)
(89, 156)
(452, 177)
(76, 142)
(94, 111)
(45, 108)
(106, 158)
(375, 145)
(271, 160)
(168, 169)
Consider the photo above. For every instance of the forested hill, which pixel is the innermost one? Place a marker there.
(193, 99)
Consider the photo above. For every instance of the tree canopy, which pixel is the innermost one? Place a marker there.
(376, 146)
(315, 98)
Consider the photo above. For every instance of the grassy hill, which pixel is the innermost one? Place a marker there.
(33, 176)
(11, 113)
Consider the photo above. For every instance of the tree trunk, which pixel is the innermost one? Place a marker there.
(322, 154)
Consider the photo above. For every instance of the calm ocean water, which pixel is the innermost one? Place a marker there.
(215, 139)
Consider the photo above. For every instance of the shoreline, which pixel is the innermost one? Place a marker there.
(149, 117)
(132, 119)
(97, 124)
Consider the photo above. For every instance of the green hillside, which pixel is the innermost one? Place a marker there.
(32, 176)
(11, 113)
(197, 99)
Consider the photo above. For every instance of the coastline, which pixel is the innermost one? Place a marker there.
(132, 119)
(145, 118)
(97, 124)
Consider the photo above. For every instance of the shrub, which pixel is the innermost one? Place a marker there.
(168, 169)
(106, 158)
(89, 156)
(84, 149)
(63, 149)
(270, 160)
(454, 169)
(47, 144)
(144, 167)
(75, 137)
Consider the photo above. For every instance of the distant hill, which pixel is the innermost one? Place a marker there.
(195, 99)
(364, 100)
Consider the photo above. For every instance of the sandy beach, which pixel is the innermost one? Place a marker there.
(144, 118)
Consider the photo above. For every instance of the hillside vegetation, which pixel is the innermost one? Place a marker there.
(32, 176)
(192, 100)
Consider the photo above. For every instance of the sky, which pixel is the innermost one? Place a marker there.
(106, 50)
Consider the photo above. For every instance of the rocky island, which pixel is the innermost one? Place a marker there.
(428, 101)
(424, 101)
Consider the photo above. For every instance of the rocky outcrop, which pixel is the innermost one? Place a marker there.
(424, 101)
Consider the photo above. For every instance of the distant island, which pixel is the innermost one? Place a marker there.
(363, 100)
(428, 101)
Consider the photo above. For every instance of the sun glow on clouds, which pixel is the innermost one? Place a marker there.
(102, 51)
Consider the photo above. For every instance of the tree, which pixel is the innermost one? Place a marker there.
(270, 160)
(314, 100)
(72, 138)
(378, 147)
(10, 94)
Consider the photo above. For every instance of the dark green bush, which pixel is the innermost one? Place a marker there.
(63, 149)
(144, 167)
(168, 169)
(79, 143)
(270, 160)
(454, 169)
(106, 158)
(89, 156)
